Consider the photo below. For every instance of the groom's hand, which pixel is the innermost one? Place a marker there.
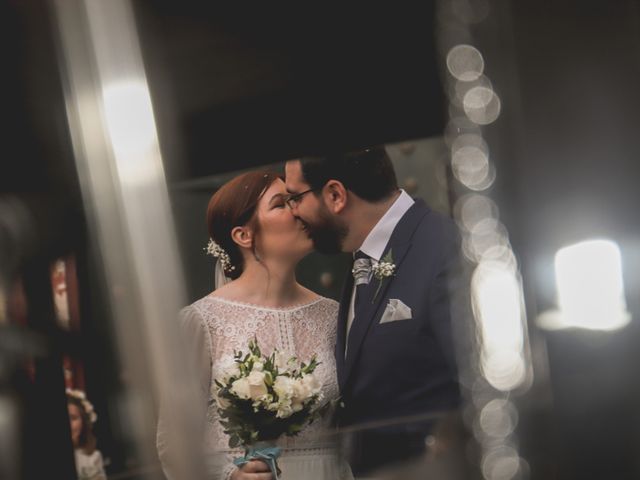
(253, 470)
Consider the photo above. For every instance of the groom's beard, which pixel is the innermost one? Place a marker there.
(326, 234)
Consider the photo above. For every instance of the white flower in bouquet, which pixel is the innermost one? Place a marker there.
(312, 385)
(283, 386)
(241, 388)
(258, 366)
(300, 394)
(285, 364)
(257, 387)
(229, 369)
(284, 410)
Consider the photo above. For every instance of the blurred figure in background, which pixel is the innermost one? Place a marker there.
(89, 463)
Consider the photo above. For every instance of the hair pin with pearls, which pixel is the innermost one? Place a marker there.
(218, 252)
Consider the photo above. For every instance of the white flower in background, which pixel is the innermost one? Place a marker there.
(257, 387)
(241, 388)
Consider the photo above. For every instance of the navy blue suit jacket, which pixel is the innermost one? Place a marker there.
(405, 367)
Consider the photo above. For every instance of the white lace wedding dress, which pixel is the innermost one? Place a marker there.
(216, 327)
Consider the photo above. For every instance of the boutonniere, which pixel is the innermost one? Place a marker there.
(385, 268)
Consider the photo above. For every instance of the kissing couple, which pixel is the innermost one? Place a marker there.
(385, 352)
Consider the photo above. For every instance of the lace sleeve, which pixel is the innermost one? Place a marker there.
(198, 345)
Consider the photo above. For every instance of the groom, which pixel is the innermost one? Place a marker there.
(394, 352)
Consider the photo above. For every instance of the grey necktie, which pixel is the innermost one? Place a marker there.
(361, 268)
(361, 271)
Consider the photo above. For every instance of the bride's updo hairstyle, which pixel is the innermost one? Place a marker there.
(234, 205)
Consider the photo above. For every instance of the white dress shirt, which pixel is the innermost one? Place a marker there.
(377, 240)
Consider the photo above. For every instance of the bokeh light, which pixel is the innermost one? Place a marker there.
(482, 105)
(590, 288)
(485, 241)
(501, 463)
(497, 302)
(470, 166)
(473, 208)
(498, 418)
(465, 63)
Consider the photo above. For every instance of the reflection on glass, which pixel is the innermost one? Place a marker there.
(129, 117)
(132, 130)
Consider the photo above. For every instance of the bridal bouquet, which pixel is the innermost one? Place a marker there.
(261, 398)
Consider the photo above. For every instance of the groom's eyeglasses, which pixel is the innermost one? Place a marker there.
(294, 200)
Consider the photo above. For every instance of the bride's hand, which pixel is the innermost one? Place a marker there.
(253, 470)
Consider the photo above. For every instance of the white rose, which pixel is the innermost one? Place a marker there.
(300, 394)
(312, 384)
(241, 388)
(283, 387)
(257, 387)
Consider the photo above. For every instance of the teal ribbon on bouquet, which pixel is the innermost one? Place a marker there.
(268, 455)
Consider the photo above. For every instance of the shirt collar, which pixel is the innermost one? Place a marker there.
(379, 236)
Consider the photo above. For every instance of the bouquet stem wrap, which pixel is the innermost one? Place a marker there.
(268, 454)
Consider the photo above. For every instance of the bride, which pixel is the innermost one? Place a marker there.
(258, 245)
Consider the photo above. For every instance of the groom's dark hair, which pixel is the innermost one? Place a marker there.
(367, 173)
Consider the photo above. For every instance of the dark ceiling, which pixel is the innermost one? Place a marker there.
(237, 87)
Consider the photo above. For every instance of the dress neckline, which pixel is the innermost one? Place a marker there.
(290, 308)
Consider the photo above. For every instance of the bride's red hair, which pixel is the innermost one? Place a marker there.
(234, 205)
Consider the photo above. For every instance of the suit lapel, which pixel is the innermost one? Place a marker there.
(399, 244)
(361, 325)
